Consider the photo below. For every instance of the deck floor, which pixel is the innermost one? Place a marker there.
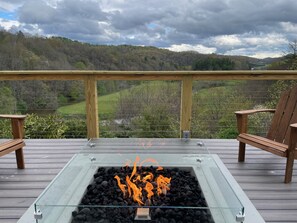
(261, 177)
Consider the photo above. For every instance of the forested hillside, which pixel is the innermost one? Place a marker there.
(20, 52)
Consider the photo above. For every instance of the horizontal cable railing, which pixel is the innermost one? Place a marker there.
(140, 104)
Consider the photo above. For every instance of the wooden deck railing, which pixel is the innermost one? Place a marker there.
(187, 78)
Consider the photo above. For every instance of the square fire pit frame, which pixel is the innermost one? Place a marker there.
(226, 200)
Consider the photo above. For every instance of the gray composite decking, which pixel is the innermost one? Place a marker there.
(261, 177)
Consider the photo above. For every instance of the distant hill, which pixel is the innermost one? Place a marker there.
(20, 52)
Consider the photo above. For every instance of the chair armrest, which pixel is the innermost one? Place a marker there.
(248, 112)
(13, 116)
(293, 138)
(17, 125)
(242, 118)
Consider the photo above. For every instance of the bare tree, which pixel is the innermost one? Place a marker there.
(293, 48)
(291, 56)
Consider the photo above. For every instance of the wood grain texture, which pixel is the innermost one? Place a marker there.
(148, 75)
(186, 104)
(92, 107)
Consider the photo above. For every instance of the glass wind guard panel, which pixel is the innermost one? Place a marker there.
(61, 199)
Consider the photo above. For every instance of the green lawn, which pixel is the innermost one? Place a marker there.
(107, 103)
(106, 106)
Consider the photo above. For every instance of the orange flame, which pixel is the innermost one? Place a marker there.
(129, 188)
(162, 184)
(121, 186)
(134, 182)
(135, 168)
(160, 168)
(138, 178)
(149, 188)
(137, 195)
(149, 176)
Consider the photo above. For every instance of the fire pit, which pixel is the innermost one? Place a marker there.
(148, 190)
(140, 180)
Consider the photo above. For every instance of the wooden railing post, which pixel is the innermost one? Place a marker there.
(186, 104)
(91, 107)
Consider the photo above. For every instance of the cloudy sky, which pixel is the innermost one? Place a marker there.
(258, 28)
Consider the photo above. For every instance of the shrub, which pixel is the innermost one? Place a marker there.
(156, 122)
(50, 127)
(76, 128)
(5, 128)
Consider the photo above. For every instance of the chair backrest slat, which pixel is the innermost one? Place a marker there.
(278, 115)
(286, 114)
(293, 120)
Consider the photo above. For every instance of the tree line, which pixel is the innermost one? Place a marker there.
(20, 52)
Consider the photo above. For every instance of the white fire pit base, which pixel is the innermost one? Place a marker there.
(225, 199)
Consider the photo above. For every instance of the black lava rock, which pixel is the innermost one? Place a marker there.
(104, 191)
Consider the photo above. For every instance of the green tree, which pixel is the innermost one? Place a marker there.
(151, 108)
(276, 89)
(7, 99)
(156, 122)
(213, 63)
(213, 112)
(289, 61)
(35, 95)
(80, 65)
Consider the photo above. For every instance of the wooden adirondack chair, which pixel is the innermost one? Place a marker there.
(282, 136)
(17, 143)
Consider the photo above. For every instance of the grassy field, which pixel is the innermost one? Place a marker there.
(106, 106)
(107, 103)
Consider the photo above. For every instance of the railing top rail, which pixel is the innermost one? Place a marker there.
(148, 75)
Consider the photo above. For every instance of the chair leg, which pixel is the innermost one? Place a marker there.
(289, 168)
(241, 152)
(20, 158)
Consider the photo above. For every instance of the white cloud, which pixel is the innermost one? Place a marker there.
(8, 24)
(227, 40)
(252, 44)
(262, 55)
(272, 39)
(253, 39)
(187, 47)
(289, 27)
(254, 52)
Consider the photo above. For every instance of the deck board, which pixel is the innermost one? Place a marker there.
(261, 176)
